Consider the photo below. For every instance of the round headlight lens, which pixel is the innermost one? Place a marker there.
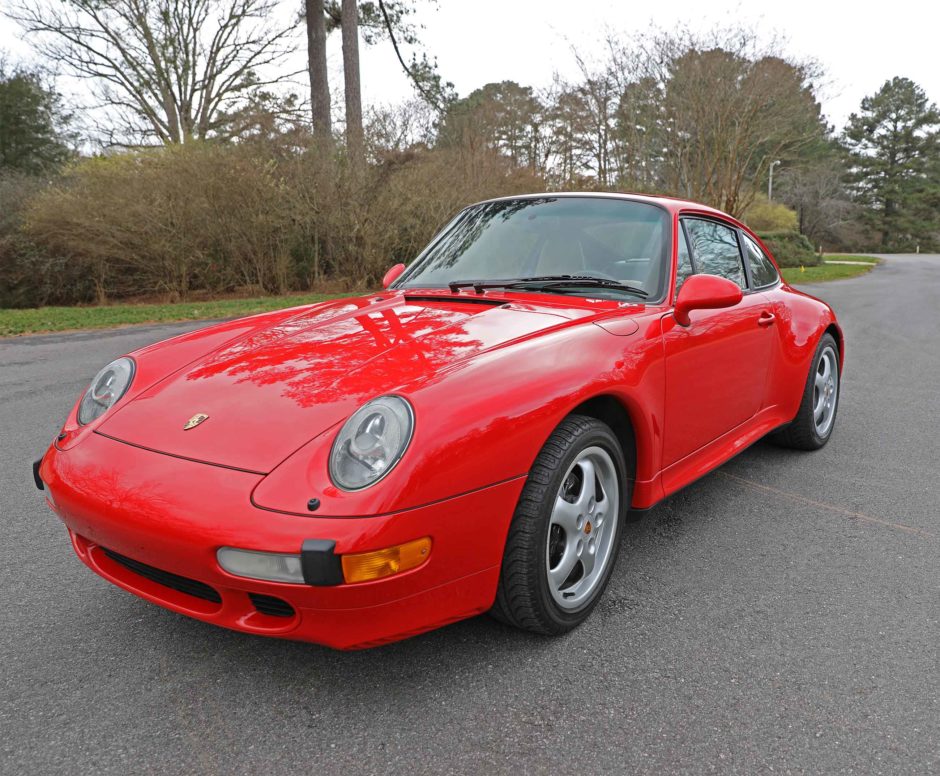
(108, 386)
(371, 442)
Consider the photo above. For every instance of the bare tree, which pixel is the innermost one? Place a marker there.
(719, 108)
(355, 144)
(171, 70)
(392, 129)
(636, 154)
(733, 117)
(316, 63)
(598, 98)
(503, 117)
(567, 124)
(817, 191)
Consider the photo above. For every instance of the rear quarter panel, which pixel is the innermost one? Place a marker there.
(801, 322)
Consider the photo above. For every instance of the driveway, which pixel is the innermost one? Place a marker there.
(781, 614)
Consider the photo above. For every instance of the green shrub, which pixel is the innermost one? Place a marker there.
(765, 216)
(790, 249)
(168, 221)
(29, 275)
(207, 219)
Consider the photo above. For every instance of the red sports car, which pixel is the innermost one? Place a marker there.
(472, 439)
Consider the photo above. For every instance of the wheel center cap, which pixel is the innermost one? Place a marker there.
(588, 527)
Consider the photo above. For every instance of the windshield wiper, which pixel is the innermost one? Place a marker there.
(547, 281)
(577, 281)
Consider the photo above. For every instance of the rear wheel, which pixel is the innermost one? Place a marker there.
(564, 536)
(813, 425)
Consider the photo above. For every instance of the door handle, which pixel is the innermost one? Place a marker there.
(766, 319)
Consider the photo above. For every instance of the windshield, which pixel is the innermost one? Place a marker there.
(613, 239)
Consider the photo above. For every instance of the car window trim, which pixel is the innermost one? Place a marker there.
(688, 245)
(680, 233)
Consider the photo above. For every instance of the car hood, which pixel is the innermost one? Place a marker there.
(269, 393)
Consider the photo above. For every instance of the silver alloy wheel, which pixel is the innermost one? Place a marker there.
(582, 528)
(825, 391)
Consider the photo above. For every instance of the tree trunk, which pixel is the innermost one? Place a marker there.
(316, 64)
(355, 146)
(886, 225)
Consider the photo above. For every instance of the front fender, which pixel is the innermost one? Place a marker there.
(485, 420)
(159, 361)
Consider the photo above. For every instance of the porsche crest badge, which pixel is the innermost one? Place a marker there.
(195, 420)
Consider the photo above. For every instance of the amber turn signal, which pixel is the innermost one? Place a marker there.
(366, 566)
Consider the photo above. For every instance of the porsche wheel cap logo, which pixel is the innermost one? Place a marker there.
(195, 420)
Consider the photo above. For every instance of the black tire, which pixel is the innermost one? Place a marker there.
(523, 598)
(801, 433)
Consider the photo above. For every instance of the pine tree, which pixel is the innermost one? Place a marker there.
(33, 137)
(894, 141)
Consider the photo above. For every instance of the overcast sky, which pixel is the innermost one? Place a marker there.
(478, 41)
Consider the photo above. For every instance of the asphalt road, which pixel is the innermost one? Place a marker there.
(783, 614)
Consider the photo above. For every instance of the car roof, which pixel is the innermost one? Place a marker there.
(672, 204)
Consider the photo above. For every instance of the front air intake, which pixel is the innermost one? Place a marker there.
(173, 581)
(271, 606)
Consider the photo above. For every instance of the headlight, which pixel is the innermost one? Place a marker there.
(371, 442)
(109, 385)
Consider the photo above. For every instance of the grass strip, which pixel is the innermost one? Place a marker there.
(50, 319)
(825, 271)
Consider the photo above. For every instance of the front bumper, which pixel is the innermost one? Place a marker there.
(173, 514)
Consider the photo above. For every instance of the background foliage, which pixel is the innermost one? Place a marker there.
(255, 194)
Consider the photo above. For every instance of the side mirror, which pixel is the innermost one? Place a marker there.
(392, 275)
(705, 292)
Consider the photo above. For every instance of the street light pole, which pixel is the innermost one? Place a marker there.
(770, 181)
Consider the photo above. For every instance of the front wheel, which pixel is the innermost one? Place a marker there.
(816, 418)
(564, 536)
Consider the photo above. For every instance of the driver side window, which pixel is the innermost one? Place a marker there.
(715, 250)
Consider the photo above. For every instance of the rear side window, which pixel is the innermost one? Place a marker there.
(715, 250)
(763, 271)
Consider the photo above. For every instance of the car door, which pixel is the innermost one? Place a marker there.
(716, 368)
